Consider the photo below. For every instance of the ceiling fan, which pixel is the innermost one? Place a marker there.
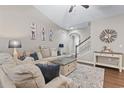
(72, 7)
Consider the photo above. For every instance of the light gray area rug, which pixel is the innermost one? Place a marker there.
(87, 76)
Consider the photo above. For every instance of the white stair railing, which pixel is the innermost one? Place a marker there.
(83, 44)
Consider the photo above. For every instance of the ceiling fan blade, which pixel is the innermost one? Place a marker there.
(85, 6)
(71, 8)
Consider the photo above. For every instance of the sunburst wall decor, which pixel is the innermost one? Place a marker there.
(108, 35)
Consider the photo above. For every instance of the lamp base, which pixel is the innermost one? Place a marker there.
(61, 51)
(15, 55)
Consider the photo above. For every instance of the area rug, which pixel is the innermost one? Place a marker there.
(87, 76)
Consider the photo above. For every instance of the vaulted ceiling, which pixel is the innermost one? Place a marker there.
(79, 17)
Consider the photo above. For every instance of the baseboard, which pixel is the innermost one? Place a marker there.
(88, 62)
(84, 61)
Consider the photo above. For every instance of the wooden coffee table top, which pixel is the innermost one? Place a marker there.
(64, 61)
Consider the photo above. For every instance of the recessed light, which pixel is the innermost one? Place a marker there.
(71, 27)
(120, 46)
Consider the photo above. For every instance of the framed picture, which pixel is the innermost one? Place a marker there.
(43, 34)
(33, 31)
(50, 35)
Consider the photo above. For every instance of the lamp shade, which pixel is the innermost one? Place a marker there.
(61, 45)
(14, 44)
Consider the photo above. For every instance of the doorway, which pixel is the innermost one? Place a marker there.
(74, 40)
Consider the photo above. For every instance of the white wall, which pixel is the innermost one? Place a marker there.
(84, 33)
(15, 23)
(116, 23)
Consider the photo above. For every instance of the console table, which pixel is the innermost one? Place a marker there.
(113, 55)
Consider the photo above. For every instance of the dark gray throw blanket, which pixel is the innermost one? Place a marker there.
(50, 71)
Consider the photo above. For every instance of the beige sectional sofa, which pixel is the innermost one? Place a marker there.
(45, 54)
(27, 75)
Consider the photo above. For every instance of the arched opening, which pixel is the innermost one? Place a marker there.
(74, 40)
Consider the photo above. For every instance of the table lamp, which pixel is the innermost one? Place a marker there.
(14, 44)
(61, 46)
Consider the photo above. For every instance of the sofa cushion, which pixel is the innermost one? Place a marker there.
(50, 71)
(5, 82)
(39, 55)
(26, 76)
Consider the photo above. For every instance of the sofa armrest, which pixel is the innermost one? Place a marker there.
(5, 82)
(60, 82)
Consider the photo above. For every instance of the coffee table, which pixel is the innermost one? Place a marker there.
(67, 65)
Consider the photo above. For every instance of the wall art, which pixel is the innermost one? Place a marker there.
(50, 35)
(43, 35)
(33, 31)
(108, 36)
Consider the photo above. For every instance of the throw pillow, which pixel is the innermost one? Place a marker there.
(39, 55)
(50, 71)
(21, 58)
(34, 55)
(45, 52)
(28, 59)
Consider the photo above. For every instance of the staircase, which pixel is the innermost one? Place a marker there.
(83, 52)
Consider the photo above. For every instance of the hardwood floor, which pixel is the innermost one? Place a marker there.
(113, 78)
